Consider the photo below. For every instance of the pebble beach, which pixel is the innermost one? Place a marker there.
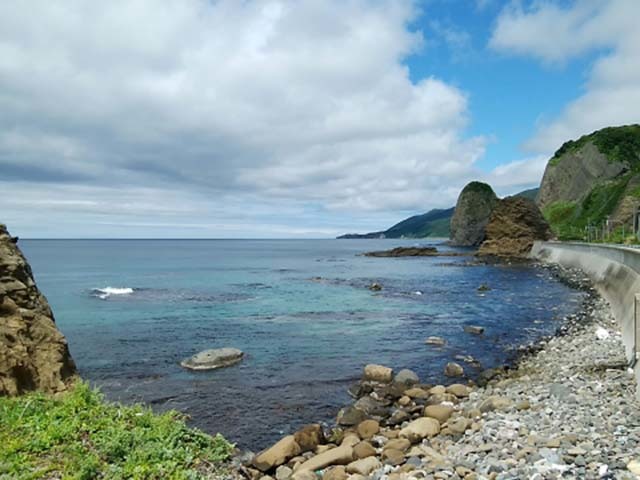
(565, 409)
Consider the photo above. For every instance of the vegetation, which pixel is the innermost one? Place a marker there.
(479, 187)
(434, 223)
(568, 219)
(619, 144)
(79, 436)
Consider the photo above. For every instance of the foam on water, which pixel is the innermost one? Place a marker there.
(104, 293)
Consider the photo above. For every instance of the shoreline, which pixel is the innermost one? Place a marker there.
(564, 408)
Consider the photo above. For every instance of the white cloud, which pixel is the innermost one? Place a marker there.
(285, 100)
(557, 34)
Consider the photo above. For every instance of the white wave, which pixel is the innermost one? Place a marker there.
(106, 292)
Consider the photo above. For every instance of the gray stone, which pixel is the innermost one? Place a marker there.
(214, 358)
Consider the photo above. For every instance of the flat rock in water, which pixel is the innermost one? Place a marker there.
(214, 358)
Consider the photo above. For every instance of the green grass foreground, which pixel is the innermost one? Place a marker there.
(78, 435)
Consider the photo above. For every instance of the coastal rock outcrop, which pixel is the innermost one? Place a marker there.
(515, 224)
(214, 358)
(593, 183)
(33, 353)
(473, 210)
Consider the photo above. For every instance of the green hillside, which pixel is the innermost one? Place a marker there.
(585, 191)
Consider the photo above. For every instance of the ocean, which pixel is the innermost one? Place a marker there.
(299, 309)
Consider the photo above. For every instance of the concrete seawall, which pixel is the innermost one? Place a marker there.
(615, 271)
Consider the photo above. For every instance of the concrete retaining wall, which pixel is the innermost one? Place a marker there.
(615, 271)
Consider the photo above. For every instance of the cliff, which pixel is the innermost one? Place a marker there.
(471, 215)
(591, 179)
(33, 353)
(515, 223)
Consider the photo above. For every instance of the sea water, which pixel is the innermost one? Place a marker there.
(301, 311)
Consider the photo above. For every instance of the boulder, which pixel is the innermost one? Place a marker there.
(406, 377)
(363, 450)
(213, 358)
(364, 466)
(342, 455)
(350, 416)
(278, 454)
(283, 473)
(368, 429)
(33, 353)
(453, 369)
(401, 444)
(439, 412)
(391, 456)
(515, 224)
(459, 390)
(472, 213)
(309, 437)
(378, 373)
(416, 392)
(421, 428)
(335, 473)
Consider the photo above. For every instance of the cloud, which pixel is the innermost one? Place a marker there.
(556, 34)
(278, 102)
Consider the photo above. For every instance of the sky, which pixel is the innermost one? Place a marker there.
(293, 119)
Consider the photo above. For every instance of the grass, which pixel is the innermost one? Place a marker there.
(79, 436)
(568, 219)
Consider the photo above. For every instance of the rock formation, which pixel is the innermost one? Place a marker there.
(593, 181)
(33, 353)
(514, 225)
(473, 209)
(212, 359)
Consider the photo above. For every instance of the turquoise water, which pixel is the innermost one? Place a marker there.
(305, 339)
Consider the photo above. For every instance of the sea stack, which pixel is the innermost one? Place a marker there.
(33, 353)
(515, 223)
(473, 210)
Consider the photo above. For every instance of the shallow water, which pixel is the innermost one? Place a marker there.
(132, 309)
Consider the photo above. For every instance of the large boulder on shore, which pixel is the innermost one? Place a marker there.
(33, 353)
(472, 213)
(515, 223)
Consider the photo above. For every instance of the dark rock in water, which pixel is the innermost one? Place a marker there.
(33, 353)
(360, 389)
(473, 329)
(514, 225)
(372, 407)
(414, 252)
(438, 341)
(212, 359)
(472, 213)
(487, 375)
(405, 252)
(406, 377)
(350, 416)
(453, 369)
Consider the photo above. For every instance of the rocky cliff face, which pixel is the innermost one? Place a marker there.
(472, 213)
(514, 225)
(571, 176)
(591, 180)
(33, 353)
